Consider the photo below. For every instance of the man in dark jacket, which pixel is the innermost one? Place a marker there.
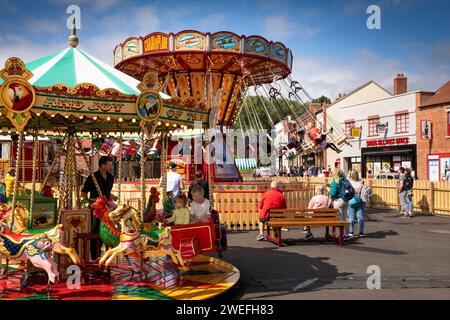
(201, 182)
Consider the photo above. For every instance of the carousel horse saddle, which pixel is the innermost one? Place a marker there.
(17, 237)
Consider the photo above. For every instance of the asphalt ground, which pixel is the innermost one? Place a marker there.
(412, 256)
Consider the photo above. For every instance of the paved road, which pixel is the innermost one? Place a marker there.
(413, 256)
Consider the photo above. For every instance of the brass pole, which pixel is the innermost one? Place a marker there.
(142, 177)
(33, 179)
(16, 179)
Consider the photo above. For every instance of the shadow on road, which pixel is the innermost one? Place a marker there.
(270, 272)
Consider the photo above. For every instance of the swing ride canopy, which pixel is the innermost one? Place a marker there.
(205, 69)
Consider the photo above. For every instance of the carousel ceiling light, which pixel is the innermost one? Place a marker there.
(159, 123)
(67, 117)
(120, 119)
(95, 118)
(133, 120)
(52, 115)
(109, 118)
(81, 117)
(167, 124)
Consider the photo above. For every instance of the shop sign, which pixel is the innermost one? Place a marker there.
(356, 132)
(387, 142)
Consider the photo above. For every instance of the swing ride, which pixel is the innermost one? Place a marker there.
(74, 96)
(217, 71)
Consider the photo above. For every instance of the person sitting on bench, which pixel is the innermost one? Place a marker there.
(319, 201)
(319, 138)
(271, 199)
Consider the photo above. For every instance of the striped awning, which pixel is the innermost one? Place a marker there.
(73, 66)
(245, 163)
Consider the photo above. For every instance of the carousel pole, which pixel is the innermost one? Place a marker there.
(164, 167)
(71, 173)
(23, 163)
(119, 178)
(16, 179)
(209, 174)
(55, 159)
(142, 162)
(16, 182)
(33, 179)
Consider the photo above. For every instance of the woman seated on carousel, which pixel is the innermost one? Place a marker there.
(200, 207)
(319, 138)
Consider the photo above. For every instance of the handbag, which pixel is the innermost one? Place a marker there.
(354, 201)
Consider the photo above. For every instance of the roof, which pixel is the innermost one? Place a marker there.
(357, 89)
(441, 96)
(73, 66)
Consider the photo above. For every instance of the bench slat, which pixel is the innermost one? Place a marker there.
(292, 210)
(297, 215)
(309, 223)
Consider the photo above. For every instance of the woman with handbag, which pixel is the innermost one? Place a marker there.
(356, 205)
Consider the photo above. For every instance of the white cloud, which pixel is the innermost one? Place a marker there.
(281, 27)
(96, 4)
(114, 29)
(19, 46)
(43, 26)
(324, 76)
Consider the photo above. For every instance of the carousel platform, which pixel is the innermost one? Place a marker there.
(158, 279)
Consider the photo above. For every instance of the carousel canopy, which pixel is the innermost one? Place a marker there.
(73, 66)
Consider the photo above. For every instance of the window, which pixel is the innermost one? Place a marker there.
(4, 150)
(402, 123)
(373, 126)
(448, 123)
(348, 126)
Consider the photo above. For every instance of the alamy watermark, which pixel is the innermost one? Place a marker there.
(374, 20)
(75, 13)
(222, 146)
(374, 280)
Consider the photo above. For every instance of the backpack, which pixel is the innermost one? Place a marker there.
(366, 193)
(347, 191)
(408, 183)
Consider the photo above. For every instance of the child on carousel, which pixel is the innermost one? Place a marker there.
(200, 207)
(181, 214)
(319, 138)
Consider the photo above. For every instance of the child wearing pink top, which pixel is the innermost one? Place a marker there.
(320, 200)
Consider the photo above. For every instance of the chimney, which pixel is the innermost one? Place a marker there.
(400, 84)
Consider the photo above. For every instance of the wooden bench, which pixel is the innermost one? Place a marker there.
(296, 218)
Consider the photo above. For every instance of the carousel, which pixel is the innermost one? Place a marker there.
(44, 239)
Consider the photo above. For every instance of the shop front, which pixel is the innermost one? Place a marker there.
(438, 166)
(387, 156)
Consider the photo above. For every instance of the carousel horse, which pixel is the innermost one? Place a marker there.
(20, 216)
(34, 248)
(55, 235)
(127, 238)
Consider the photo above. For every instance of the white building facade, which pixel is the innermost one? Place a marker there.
(388, 135)
(387, 128)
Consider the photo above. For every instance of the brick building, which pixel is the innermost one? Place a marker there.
(433, 134)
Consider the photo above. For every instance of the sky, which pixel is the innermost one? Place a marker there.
(334, 51)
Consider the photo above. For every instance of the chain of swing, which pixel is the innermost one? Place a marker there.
(270, 97)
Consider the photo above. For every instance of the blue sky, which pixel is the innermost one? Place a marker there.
(334, 52)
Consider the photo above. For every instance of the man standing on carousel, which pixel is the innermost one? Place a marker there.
(105, 181)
